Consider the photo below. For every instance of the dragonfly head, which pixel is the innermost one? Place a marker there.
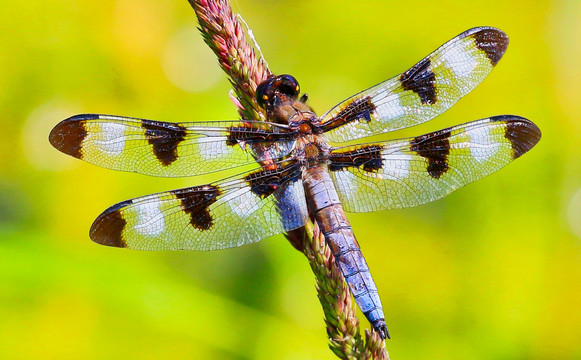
(276, 91)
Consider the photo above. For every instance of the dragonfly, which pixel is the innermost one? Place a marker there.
(300, 175)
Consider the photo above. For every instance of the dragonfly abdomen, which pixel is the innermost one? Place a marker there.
(325, 207)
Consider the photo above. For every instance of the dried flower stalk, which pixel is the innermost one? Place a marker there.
(223, 33)
(338, 305)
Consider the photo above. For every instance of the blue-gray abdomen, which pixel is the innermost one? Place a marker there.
(326, 208)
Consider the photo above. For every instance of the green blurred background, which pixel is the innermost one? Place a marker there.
(493, 271)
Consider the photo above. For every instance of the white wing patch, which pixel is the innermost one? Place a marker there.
(150, 220)
(393, 108)
(482, 148)
(213, 148)
(401, 165)
(113, 138)
(243, 202)
(460, 60)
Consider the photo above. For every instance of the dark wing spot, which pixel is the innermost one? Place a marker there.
(358, 110)
(265, 182)
(196, 201)
(165, 139)
(244, 133)
(421, 80)
(522, 133)
(231, 139)
(435, 148)
(367, 156)
(69, 134)
(252, 134)
(493, 42)
(108, 227)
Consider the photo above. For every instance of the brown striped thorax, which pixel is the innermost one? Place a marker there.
(279, 96)
(301, 172)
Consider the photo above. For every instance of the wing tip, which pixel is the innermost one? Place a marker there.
(68, 135)
(108, 228)
(522, 133)
(492, 41)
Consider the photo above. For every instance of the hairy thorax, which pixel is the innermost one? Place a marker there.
(311, 148)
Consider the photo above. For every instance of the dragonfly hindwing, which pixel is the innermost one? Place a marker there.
(413, 171)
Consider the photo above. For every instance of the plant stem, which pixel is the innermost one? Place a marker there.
(223, 33)
(338, 305)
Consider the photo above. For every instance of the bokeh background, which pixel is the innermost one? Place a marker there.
(493, 271)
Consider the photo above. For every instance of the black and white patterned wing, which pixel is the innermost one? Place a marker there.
(421, 93)
(169, 149)
(409, 172)
(229, 213)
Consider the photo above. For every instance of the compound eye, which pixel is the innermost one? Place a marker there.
(264, 92)
(288, 85)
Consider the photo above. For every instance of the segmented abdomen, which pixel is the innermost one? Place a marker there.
(325, 207)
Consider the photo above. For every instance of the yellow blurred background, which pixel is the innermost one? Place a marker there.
(493, 271)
